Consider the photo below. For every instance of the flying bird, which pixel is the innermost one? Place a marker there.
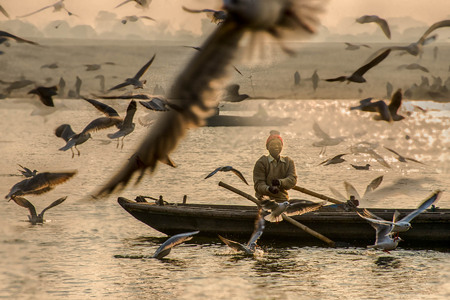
(27, 172)
(156, 104)
(57, 6)
(171, 242)
(216, 16)
(334, 160)
(384, 240)
(402, 158)
(379, 21)
(403, 224)
(357, 76)
(7, 35)
(139, 3)
(35, 218)
(413, 66)
(45, 94)
(386, 112)
(135, 18)
(192, 93)
(250, 247)
(65, 132)
(366, 167)
(127, 125)
(326, 140)
(287, 208)
(352, 192)
(3, 11)
(41, 183)
(227, 169)
(135, 80)
(351, 46)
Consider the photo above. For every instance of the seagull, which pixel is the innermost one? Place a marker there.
(216, 16)
(250, 247)
(383, 239)
(3, 11)
(232, 94)
(27, 172)
(357, 76)
(193, 94)
(57, 6)
(386, 112)
(366, 167)
(413, 66)
(375, 19)
(226, 169)
(45, 94)
(416, 48)
(326, 139)
(402, 158)
(127, 125)
(65, 132)
(41, 183)
(351, 46)
(403, 224)
(289, 209)
(35, 218)
(171, 242)
(139, 3)
(156, 104)
(7, 35)
(334, 160)
(134, 18)
(352, 192)
(135, 80)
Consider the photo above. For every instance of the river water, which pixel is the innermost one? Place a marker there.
(94, 249)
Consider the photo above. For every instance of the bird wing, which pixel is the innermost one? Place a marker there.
(424, 205)
(121, 85)
(171, 242)
(146, 17)
(234, 245)
(293, 209)
(54, 203)
(444, 23)
(393, 151)
(4, 11)
(190, 92)
(414, 160)
(384, 26)
(138, 96)
(340, 78)
(34, 12)
(382, 232)
(371, 215)
(319, 132)
(269, 204)
(378, 158)
(64, 131)
(27, 204)
(375, 221)
(101, 123)
(104, 108)
(239, 174)
(396, 102)
(144, 68)
(373, 185)
(16, 38)
(197, 10)
(131, 110)
(351, 191)
(125, 2)
(337, 194)
(258, 230)
(213, 172)
(361, 71)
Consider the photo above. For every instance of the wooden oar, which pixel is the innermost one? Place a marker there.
(286, 218)
(317, 195)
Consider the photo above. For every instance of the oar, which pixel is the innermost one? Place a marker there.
(317, 195)
(286, 218)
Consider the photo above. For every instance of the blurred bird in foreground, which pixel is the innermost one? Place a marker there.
(39, 184)
(193, 94)
(45, 94)
(35, 218)
(379, 21)
(4, 12)
(7, 35)
(171, 242)
(227, 169)
(250, 247)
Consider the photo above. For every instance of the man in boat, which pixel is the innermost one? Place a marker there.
(273, 174)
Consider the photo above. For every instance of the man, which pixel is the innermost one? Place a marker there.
(274, 174)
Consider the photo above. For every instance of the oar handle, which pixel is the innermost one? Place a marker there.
(286, 218)
(317, 195)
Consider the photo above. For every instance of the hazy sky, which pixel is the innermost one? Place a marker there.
(427, 11)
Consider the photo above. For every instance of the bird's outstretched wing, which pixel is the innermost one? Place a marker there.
(396, 102)
(104, 108)
(295, 211)
(165, 248)
(16, 38)
(213, 172)
(233, 245)
(35, 12)
(378, 158)
(144, 68)
(362, 70)
(3, 11)
(351, 191)
(443, 23)
(239, 174)
(27, 204)
(373, 185)
(337, 194)
(131, 110)
(64, 131)
(258, 229)
(319, 132)
(53, 204)
(433, 198)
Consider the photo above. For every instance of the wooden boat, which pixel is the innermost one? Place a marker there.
(430, 229)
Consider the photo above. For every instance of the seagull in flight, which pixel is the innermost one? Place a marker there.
(35, 218)
(386, 112)
(402, 158)
(216, 16)
(379, 21)
(326, 139)
(351, 46)
(250, 247)
(193, 92)
(39, 184)
(227, 169)
(403, 224)
(287, 208)
(27, 172)
(135, 18)
(357, 76)
(171, 242)
(139, 3)
(138, 84)
(45, 94)
(7, 35)
(334, 160)
(57, 6)
(3, 11)
(384, 240)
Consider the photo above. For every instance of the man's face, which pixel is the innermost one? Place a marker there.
(275, 147)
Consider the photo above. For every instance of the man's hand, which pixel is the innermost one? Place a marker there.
(276, 182)
(273, 189)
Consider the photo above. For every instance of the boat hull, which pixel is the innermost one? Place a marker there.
(430, 229)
